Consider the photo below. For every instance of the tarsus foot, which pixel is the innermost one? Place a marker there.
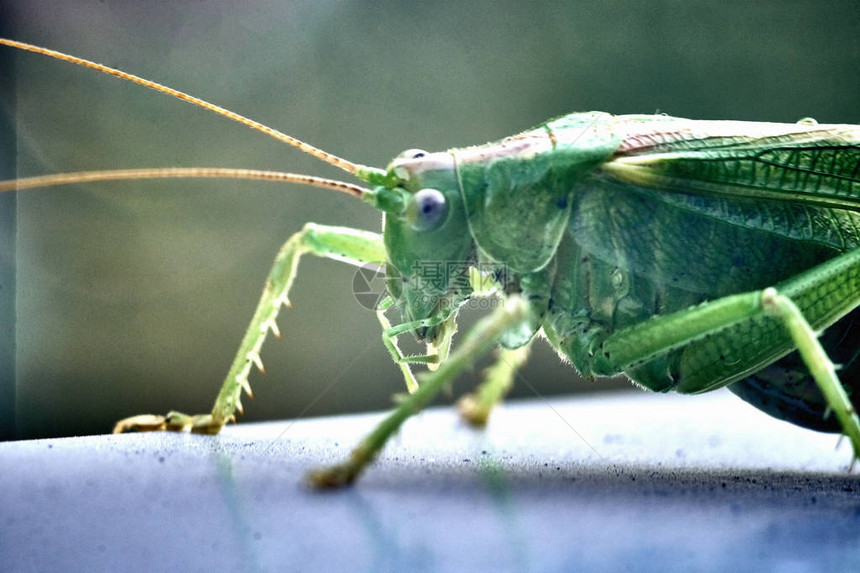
(172, 422)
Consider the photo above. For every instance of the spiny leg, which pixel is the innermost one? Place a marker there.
(479, 340)
(348, 245)
(820, 366)
(475, 408)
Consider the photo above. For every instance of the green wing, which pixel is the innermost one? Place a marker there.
(719, 207)
(802, 163)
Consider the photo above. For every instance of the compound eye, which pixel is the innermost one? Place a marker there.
(427, 210)
(411, 154)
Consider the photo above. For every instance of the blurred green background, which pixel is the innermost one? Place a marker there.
(133, 297)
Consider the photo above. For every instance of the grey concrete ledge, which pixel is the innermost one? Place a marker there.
(629, 482)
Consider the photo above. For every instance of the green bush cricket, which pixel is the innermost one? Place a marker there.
(689, 255)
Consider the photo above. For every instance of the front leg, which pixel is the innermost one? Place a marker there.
(352, 246)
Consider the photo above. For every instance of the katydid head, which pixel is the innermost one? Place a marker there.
(426, 238)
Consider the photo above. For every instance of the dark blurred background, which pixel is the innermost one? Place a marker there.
(133, 297)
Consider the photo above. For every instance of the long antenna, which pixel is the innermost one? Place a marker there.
(178, 173)
(363, 172)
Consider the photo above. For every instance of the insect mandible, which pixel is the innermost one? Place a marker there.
(688, 255)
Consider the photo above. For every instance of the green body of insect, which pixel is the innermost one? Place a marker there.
(620, 219)
(612, 234)
(689, 255)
